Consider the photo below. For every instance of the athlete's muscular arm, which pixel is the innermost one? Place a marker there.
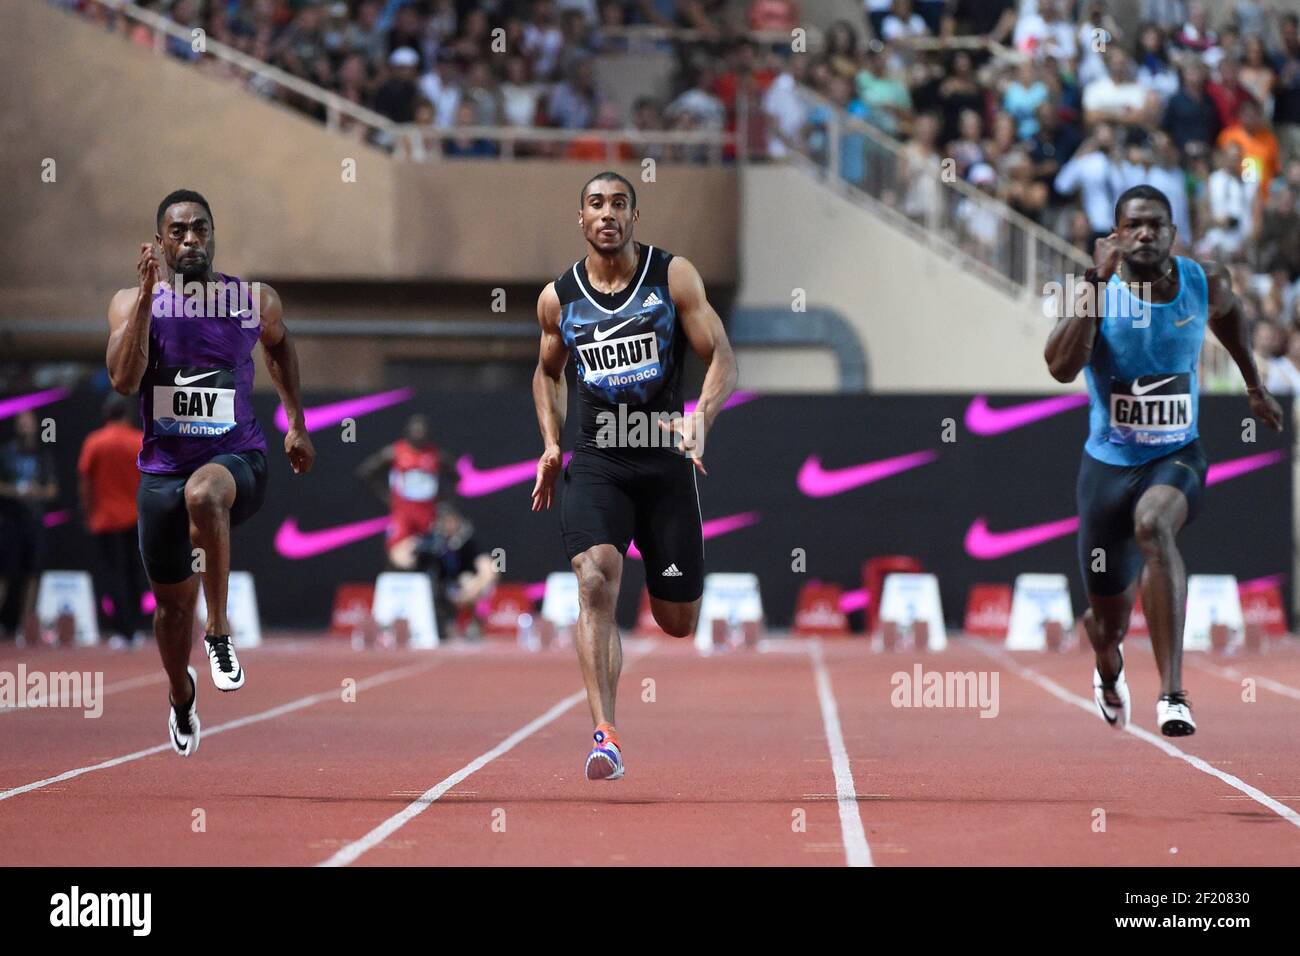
(708, 338)
(1229, 327)
(128, 323)
(550, 396)
(1069, 346)
(282, 364)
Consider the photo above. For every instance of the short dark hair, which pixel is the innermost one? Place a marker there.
(1143, 191)
(607, 174)
(114, 407)
(181, 195)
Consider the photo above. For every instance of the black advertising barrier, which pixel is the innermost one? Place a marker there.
(842, 477)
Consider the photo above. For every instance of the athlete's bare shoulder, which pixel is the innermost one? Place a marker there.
(1219, 281)
(548, 308)
(684, 282)
(122, 305)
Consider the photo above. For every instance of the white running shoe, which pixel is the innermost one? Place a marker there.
(183, 724)
(1119, 708)
(226, 672)
(1174, 715)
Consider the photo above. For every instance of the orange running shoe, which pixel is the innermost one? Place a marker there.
(605, 762)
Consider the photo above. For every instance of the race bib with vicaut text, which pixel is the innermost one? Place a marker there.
(1151, 409)
(193, 402)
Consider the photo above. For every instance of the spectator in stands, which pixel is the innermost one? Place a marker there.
(1079, 232)
(575, 102)
(978, 219)
(482, 94)
(1154, 72)
(363, 36)
(888, 102)
(1284, 371)
(902, 23)
(968, 148)
(1196, 35)
(785, 107)
(960, 92)
(1118, 97)
(397, 94)
(1165, 14)
(1001, 141)
(187, 14)
(1051, 147)
(920, 168)
(543, 40)
(995, 19)
(300, 48)
(1257, 74)
(1228, 207)
(877, 10)
(648, 117)
(468, 147)
(1094, 172)
(1098, 33)
(1277, 239)
(700, 102)
(1022, 97)
(107, 481)
(442, 87)
(1191, 116)
(27, 485)
(773, 16)
(462, 572)
(1228, 92)
(407, 33)
(853, 145)
(519, 94)
(606, 37)
(1166, 174)
(1259, 149)
(1267, 342)
(1286, 99)
(842, 52)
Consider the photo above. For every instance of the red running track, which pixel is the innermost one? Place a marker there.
(473, 755)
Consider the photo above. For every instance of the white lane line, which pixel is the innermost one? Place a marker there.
(352, 851)
(1233, 674)
(130, 683)
(379, 834)
(382, 677)
(856, 850)
(1056, 690)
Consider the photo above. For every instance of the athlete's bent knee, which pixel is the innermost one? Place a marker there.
(1154, 534)
(597, 584)
(203, 498)
(677, 622)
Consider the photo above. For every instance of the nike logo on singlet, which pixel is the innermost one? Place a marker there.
(601, 335)
(1179, 325)
(1143, 389)
(183, 379)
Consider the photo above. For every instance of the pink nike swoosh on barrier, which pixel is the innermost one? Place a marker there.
(1226, 470)
(983, 420)
(323, 416)
(713, 528)
(294, 544)
(818, 482)
(10, 407)
(737, 398)
(987, 545)
(55, 518)
(475, 483)
(856, 600)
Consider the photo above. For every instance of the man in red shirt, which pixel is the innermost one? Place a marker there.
(413, 465)
(107, 481)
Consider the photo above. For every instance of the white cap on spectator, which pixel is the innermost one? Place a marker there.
(982, 174)
(404, 56)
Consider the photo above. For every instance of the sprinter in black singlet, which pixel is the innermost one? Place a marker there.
(626, 313)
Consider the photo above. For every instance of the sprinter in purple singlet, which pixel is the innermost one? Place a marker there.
(183, 338)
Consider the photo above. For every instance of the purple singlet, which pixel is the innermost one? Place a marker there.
(196, 394)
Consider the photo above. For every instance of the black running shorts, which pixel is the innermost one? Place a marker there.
(164, 521)
(1108, 495)
(649, 497)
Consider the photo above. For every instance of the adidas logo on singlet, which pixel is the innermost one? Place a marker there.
(652, 299)
(672, 572)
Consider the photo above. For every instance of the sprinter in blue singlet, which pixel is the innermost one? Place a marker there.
(1135, 330)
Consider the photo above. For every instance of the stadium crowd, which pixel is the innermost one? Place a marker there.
(1054, 111)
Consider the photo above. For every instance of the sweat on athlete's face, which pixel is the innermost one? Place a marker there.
(1145, 230)
(186, 237)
